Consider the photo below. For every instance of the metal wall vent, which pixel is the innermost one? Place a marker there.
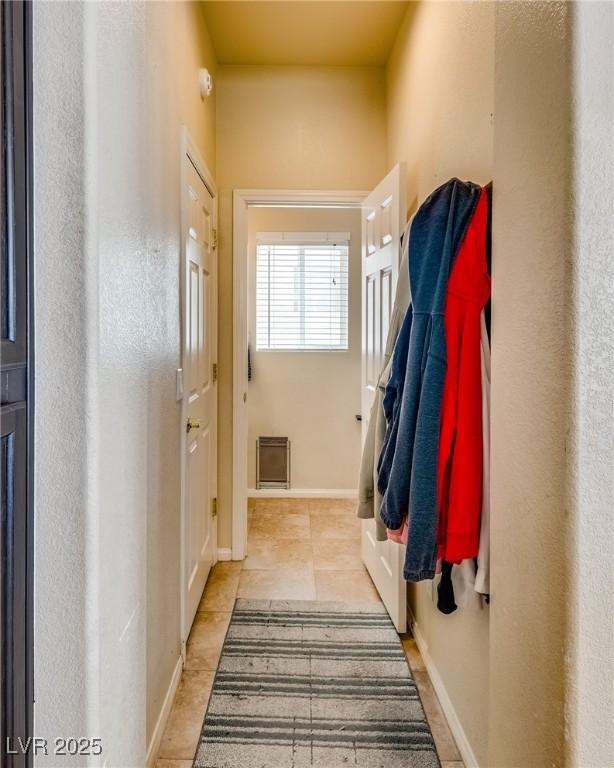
(272, 462)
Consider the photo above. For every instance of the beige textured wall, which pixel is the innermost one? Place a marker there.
(440, 84)
(184, 41)
(63, 678)
(177, 46)
(591, 695)
(531, 378)
(312, 397)
(440, 107)
(110, 93)
(295, 128)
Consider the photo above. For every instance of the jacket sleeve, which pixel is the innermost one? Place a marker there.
(464, 493)
(365, 480)
(395, 472)
(392, 403)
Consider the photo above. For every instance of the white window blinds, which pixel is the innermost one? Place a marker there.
(302, 291)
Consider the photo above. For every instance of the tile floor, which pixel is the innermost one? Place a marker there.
(301, 549)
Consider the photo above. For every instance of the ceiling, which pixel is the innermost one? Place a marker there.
(294, 32)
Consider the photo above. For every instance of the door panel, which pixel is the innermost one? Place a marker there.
(16, 388)
(385, 303)
(204, 357)
(383, 216)
(200, 398)
(193, 335)
(194, 476)
(13, 480)
(370, 330)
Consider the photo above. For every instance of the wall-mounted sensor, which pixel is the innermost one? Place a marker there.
(206, 83)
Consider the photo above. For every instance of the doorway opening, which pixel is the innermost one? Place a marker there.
(316, 228)
(294, 356)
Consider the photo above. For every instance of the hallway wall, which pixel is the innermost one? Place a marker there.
(311, 396)
(553, 374)
(531, 377)
(178, 45)
(110, 93)
(294, 128)
(441, 125)
(590, 708)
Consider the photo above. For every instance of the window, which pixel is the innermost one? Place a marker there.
(302, 290)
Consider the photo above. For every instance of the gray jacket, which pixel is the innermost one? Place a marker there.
(369, 498)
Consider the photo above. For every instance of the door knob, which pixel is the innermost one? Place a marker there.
(192, 424)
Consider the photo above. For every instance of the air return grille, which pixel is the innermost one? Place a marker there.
(272, 462)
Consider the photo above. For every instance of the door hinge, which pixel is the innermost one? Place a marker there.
(214, 237)
(214, 507)
(214, 372)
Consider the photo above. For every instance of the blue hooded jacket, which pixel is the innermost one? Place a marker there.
(407, 469)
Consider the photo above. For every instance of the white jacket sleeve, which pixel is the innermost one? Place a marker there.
(482, 579)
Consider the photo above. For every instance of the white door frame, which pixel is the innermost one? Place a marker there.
(242, 200)
(189, 148)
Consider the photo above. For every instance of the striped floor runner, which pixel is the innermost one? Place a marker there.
(305, 684)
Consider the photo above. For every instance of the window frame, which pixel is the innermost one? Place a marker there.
(303, 240)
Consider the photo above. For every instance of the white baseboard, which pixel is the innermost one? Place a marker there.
(224, 553)
(156, 736)
(456, 728)
(302, 493)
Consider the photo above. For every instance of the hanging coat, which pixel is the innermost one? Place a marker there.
(410, 471)
(465, 579)
(460, 437)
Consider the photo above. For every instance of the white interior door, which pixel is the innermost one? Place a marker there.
(199, 390)
(383, 219)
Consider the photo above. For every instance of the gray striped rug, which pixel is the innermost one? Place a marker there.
(305, 684)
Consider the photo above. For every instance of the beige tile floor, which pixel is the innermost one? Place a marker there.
(299, 549)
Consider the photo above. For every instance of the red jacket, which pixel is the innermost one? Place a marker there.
(460, 448)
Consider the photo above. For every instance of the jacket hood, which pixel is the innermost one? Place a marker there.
(437, 231)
